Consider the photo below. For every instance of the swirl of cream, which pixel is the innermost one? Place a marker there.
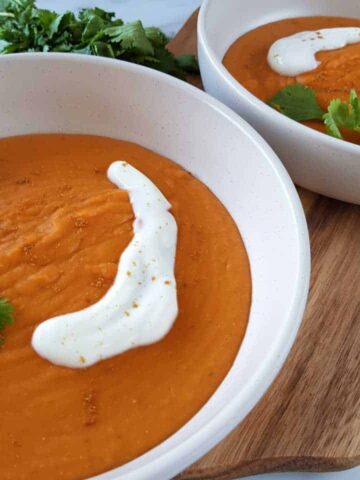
(141, 306)
(295, 55)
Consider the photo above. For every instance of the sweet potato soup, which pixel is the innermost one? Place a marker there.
(338, 73)
(63, 227)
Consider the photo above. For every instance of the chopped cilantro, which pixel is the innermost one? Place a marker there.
(26, 28)
(299, 103)
(343, 115)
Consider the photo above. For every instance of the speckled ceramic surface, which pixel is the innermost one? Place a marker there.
(82, 94)
(314, 160)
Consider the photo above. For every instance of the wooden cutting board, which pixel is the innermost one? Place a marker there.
(310, 417)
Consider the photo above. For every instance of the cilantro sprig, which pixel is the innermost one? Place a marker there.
(343, 115)
(26, 28)
(6, 315)
(299, 102)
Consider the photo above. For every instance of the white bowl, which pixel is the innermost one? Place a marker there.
(79, 94)
(314, 160)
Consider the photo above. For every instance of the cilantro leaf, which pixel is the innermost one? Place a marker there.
(343, 115)
(87, 13)
(6, 311)
(156, 36)
(165, 61)
(92, 28)
(102, 49)
(6, 315)
(131, 37)
(58, 23)
(188, 63)
(26, 28)
(297, 102)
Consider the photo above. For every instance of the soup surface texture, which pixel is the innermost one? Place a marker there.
(338, 73)
(63, 228)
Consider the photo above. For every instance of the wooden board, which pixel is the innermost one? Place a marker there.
(310, 417)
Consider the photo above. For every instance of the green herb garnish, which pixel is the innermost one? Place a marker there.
(26, 28)
(6, 315)
(299, 103)
(343, 115)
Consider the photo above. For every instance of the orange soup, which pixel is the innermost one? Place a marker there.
(338, 73)
(63, 228)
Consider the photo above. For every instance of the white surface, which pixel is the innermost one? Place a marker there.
(314, 160)
(141, 305)
(294, 55)
(83, 94)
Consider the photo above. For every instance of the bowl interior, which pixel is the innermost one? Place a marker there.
(77, 94)
(225, 23)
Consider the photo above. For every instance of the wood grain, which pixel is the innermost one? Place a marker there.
(310, 417)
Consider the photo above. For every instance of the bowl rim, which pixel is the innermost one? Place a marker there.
(200, 442)
(260, 106)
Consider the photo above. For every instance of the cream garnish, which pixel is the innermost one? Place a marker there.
(294, 55)
(141, 306)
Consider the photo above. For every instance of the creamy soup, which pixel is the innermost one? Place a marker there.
(63, 228)
(337, 74)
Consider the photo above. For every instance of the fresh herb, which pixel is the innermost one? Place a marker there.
(343, 115)
(6, 315)
(299, 103)
(26, 28)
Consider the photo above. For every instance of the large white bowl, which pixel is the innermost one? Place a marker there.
(314, 160)
(78, 94)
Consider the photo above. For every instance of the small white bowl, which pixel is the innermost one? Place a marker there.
(314, 160)
(42, 93)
